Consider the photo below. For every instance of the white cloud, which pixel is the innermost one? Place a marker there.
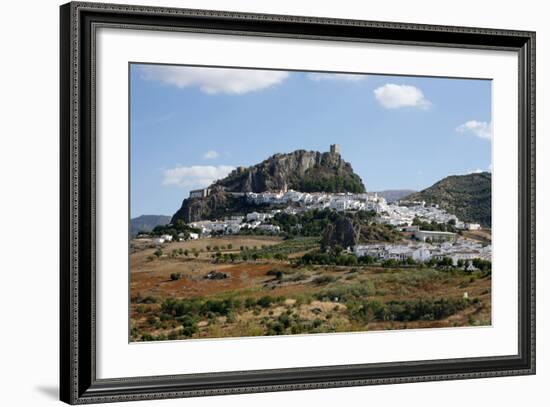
(479, 129)
(317, 77)
(211, 154)
(214, 80)
(196, 175)
(392, 96)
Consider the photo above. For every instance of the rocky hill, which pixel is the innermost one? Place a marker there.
(307, 171)
(348, 230)
(466, 196)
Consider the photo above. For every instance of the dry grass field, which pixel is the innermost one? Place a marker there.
(195, 289)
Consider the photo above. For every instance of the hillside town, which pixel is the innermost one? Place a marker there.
(418, 245)
(396, 214)
(428, 231)
(459, 251)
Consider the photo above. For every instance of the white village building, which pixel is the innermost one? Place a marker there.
(434, 236)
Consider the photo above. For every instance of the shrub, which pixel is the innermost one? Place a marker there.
(144, 300)
(300, 276)
(175, 276)
(220, 307)
(265, 301)
(250, 303)
(483, 265)
(366, 260)
(276, 329)
(284, 320)
(324, 280)
(165, 317)
(445, 262)
(332, 258)
(173, 335)
(278, 274)
(413, 310)
(390, 263)
(346, 293)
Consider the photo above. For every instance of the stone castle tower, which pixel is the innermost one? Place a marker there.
(335, 149)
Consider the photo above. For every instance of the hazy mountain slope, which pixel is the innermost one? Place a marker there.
(146, 223)
(466, 196)
(392, 195)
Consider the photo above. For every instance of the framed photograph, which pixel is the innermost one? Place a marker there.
(255, 203)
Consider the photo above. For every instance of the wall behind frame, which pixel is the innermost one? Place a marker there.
(29, 163)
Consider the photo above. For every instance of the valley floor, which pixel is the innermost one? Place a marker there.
(187, 291)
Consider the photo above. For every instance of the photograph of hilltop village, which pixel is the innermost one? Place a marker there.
(295, 243)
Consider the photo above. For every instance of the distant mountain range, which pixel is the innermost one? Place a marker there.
(146, 223)
(466, 196)
(392, 195)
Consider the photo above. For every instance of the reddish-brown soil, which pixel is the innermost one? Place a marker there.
(250, 280)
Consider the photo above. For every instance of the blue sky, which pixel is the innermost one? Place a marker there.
(191, 125)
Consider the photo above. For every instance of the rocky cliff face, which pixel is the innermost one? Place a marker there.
(307, 171)
(352, 229)
(344, 232)
(195, 209)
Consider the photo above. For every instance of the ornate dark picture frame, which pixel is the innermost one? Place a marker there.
(78, 380)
